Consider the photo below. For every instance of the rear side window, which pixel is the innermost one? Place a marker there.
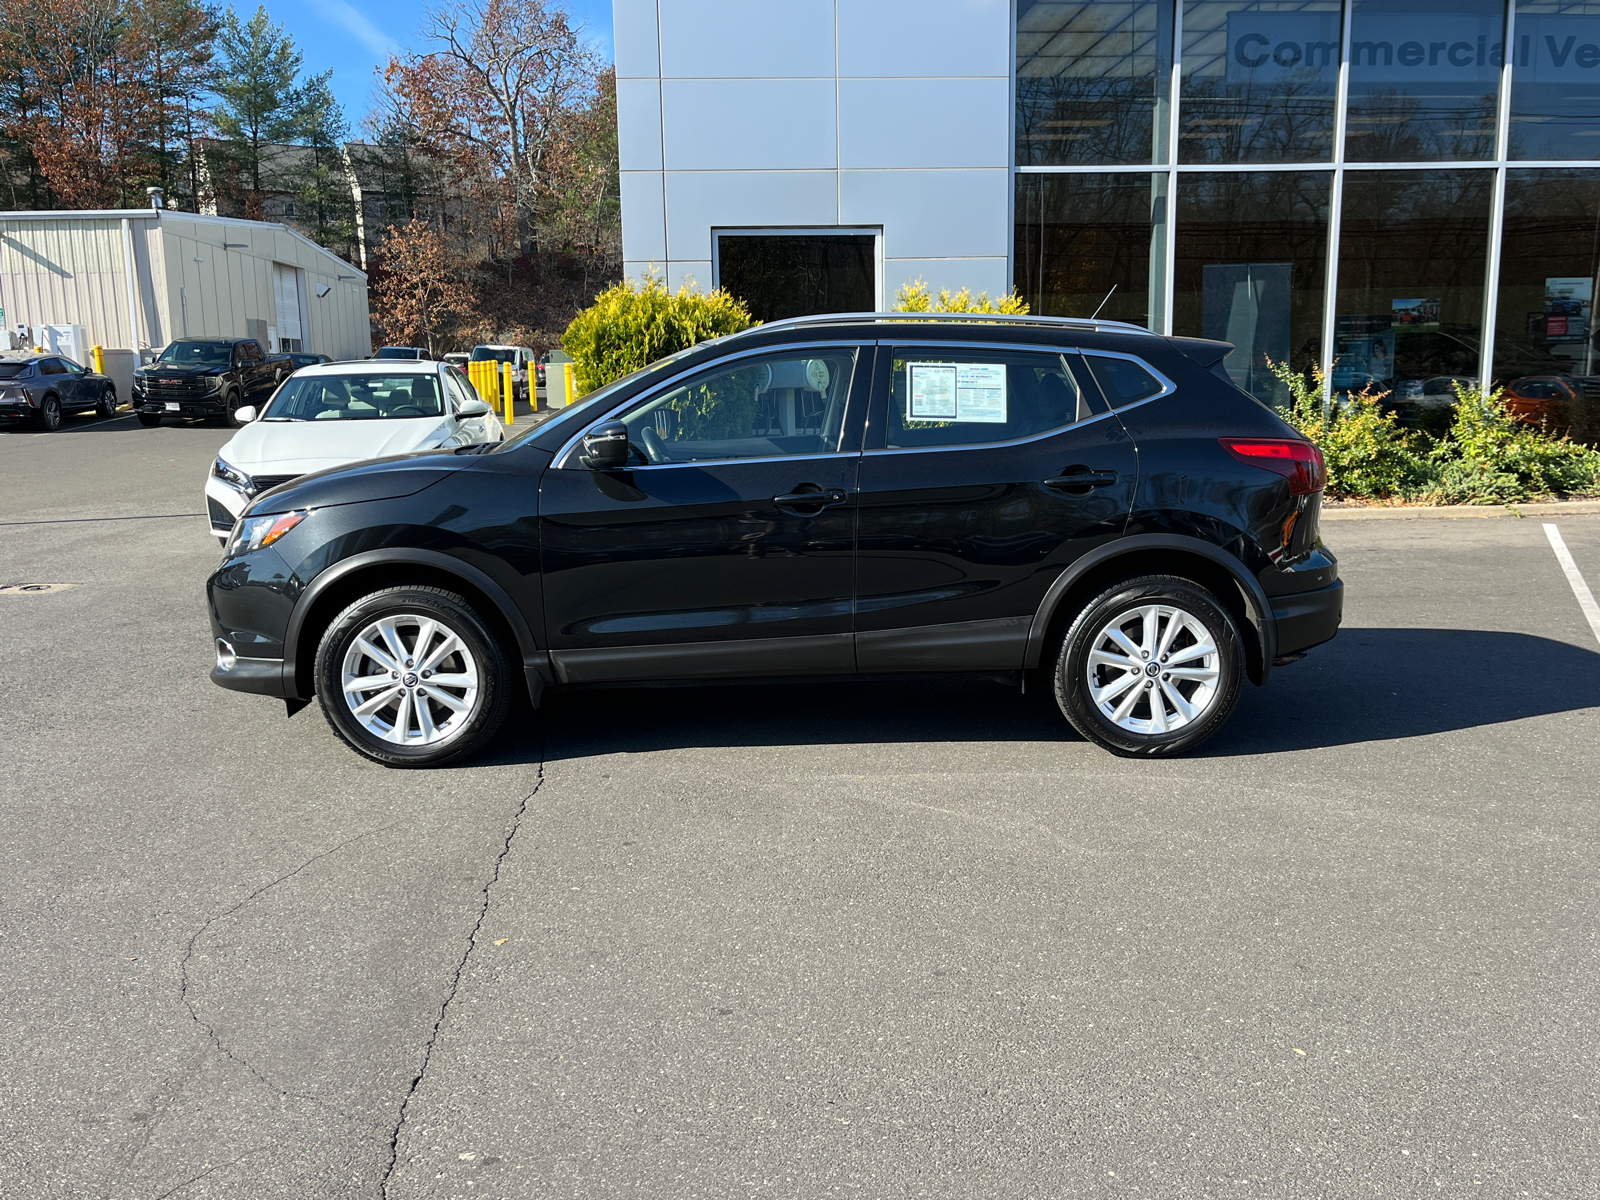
(52, 366)
(942, 396)
(1123, 381)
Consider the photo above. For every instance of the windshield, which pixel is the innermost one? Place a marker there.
(397, 352)
(199, 354)
(493, 354)
(356, 398)
(11, 370)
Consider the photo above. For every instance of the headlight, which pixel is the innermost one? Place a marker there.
(213, 382)
(231, 475)
(256, 533)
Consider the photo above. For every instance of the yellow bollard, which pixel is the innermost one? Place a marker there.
(510, 393)
(99, 356)
(571, 383)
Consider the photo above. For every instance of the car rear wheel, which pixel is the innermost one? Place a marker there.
(49, 417)
(149, 420)
(412, 676)
(108, 401)
(1151, 667)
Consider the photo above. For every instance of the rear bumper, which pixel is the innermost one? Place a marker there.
(1309, 618)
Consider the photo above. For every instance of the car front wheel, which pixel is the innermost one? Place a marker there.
(412, 676)
(108, 401)
(1151, 667)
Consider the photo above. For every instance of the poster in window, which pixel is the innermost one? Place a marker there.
(1567, 308)
(963, 392)
(1415, 314)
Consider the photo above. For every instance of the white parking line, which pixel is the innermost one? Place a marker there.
(1580, 589)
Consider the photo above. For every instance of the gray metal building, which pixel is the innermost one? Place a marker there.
(135, 279)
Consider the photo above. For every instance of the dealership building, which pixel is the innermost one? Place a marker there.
(1370, 186)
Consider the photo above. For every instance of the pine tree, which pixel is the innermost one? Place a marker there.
(260, 105)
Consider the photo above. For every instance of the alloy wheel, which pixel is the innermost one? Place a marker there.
(410, 680)
(1153, 669)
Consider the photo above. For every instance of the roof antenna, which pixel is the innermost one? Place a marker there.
(1103, 302)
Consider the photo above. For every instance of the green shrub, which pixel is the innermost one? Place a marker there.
(1489, 457)
(916, 298)
(630, 327)
(1370, 456)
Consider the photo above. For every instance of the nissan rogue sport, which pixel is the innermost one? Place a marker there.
(1078, 501)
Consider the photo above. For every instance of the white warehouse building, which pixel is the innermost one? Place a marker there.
(136, 279)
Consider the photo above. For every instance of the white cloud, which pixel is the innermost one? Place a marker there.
(369, 35)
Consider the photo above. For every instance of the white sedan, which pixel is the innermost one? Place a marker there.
(338, 413)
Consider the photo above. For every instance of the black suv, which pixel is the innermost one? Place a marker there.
(850, 495)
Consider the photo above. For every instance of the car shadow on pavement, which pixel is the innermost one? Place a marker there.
(1367, 685)
(1373, 685)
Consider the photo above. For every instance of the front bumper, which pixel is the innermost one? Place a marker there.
(256, 676)
(1308, 619)
(210, 405)
(223, 506)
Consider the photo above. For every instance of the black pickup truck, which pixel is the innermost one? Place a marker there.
(207, 377)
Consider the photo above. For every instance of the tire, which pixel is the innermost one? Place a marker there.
(1148, 607)
(230, 409)
(149, 420)
(345, 664)
(49, 418)
(108, 402)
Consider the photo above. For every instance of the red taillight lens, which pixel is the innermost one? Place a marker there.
(1298, 462)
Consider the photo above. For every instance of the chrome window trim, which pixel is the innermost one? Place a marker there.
(1167, 389)
(560, 463)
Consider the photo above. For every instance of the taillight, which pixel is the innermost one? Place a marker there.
(1298, 462)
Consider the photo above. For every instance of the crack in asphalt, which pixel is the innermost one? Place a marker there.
(188, 954)
(455, 982)
(176, 1188)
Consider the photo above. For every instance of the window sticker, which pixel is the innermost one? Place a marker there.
(974, 392)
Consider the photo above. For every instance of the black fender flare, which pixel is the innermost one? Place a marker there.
(534, 660)
(1258, 607)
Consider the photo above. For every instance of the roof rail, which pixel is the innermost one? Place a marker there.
(896, 318)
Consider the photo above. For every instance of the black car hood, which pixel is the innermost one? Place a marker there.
(375, 479)
(179, 370)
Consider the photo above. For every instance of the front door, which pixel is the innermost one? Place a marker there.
(988, 471)
(725, 547)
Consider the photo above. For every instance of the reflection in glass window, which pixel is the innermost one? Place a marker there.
(756, 408)
(1555, 80)
(1093, 80)
(1412, 253)
(1260, 80)
(797, 275)
(1424, 76)
(1549, 258)
(1092, 242)
(947, 397)
(1252, 269)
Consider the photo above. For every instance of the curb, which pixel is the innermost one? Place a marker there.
(1456, 512)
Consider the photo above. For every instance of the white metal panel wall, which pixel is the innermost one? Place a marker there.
(890, 113)
(65, 271)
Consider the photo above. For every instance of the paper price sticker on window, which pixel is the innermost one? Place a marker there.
(973, 392)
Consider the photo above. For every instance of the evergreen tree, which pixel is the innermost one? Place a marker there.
(322, 185)
(260, 100)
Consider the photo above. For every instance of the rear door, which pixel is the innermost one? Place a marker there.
(725, 548)
(987, 471)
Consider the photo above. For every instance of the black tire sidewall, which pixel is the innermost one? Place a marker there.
(494, 669)
(1071, 685)
(108, 401)
(50, 413)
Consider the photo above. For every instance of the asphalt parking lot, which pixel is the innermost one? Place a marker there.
(878, 940)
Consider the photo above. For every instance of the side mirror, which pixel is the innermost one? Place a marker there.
(471, 408)
(605, 447)
(246, 414)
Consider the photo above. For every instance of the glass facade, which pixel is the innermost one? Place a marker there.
(1372, 187)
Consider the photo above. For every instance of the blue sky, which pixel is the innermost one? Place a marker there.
(355, 38)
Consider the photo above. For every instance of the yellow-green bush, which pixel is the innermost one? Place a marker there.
(1485, 456)
(916, 298)
(629, 327)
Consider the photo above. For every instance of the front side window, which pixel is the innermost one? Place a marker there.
(356, 398)
(941, 396)
(460, 390)
(786, 404)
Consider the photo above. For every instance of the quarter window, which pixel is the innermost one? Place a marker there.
(1123, 381)
(768, 407)
(948, 397)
